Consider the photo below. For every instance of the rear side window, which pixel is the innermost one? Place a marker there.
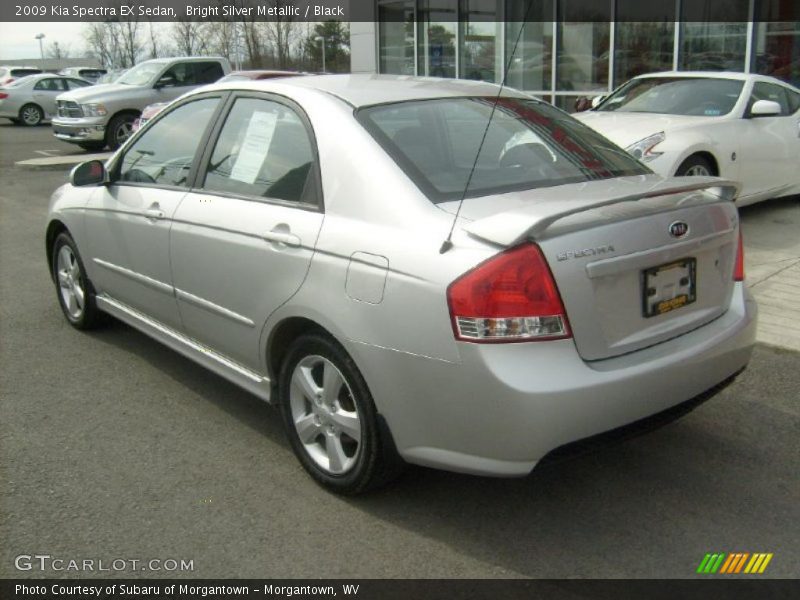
(529, 145)
(163, 155)
(263, 151)
(207, 72)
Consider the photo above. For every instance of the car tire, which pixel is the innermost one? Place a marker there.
(120, 128)
(74, 290)
(696, 166)
(31, 115)
(336, 433)
(92, 146)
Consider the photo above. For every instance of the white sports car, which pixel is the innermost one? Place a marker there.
(741, 127)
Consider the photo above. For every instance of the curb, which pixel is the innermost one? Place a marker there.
(58, 163)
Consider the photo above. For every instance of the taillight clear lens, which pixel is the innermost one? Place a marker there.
(738, 269)
(512, 297)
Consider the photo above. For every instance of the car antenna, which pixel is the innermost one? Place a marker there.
(448, 243)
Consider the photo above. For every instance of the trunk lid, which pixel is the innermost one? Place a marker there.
(628, 273)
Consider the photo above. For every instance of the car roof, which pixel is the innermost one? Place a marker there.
(715, 75)
(367, 90)
(180, 59)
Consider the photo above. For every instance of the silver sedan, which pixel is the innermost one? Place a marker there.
(414, 270)
(32, 99)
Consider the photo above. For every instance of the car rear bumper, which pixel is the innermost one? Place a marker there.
(79, 130)
(505, 406)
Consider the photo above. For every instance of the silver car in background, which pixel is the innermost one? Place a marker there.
(288, 235)
(32, 99)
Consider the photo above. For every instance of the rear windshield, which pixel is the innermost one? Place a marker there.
(688, 96)
(24, 72)
(529, 144)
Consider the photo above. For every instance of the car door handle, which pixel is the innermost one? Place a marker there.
(283, 237)
(154, 213)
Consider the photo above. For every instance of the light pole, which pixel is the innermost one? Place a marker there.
(321, 40)
(40, 37)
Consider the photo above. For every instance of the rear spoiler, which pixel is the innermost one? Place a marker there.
(551, 204)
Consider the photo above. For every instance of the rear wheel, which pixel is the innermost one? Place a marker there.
(695, 166)
(31, 115)
(75, 293)
(120, 128)
(331, 420)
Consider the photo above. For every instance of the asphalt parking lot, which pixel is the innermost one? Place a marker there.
(112, 446)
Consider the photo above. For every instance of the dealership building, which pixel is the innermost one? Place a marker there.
(572, 48)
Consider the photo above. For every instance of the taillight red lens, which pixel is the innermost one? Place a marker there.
(738, 269)
(3, 96)
(512, 297)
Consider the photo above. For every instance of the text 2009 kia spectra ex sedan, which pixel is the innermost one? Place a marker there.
(288, 235)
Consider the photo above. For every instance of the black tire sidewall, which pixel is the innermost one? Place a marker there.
(362, 475)
(111, 138)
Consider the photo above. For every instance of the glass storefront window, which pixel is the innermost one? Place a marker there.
(530, 66)
(396, 54)
(642, 48)
(479, 51)
(713, 46)
(583, 54)
(777, 51)
(436, 39)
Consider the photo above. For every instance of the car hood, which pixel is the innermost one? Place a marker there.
(100, 93)
(626, 128)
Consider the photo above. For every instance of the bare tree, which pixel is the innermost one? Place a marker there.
(191, 37)
(57, 51)
(282, 33)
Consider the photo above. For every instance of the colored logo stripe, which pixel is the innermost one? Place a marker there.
(734, 563)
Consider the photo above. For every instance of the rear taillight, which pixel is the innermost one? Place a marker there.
(738, 269)
(3, 95)
(512, 297)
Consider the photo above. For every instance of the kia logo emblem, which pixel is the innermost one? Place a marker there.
(678, 229)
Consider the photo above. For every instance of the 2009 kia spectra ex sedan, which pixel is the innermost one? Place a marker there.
(288, 235)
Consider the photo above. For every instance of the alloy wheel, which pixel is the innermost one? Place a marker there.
(324, 414)
(31, 115)
(72, 292)
(123, 132)
(698, 171)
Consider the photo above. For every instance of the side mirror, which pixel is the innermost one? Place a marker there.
(765, 108)
(597, 100)
(165, 81)
(91, 172)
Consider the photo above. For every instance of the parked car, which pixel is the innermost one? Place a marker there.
(32, 99)
(10, 74)
(104, 115)
(148, 112)
(742, 127)
(288, 235)
(92, 74)
(258, 75)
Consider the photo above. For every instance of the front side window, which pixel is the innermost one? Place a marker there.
(163, 155)
(769, 91)
(690, 96)
(50, 85)
(263, 151)
(529, 145)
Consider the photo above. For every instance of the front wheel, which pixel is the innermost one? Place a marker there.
(120, 128)
(695, 166)
(31, 115)
(330, 418)
(75, 293)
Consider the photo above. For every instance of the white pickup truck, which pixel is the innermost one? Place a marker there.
(103, 115)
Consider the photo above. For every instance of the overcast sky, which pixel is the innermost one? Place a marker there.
(17, 39)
